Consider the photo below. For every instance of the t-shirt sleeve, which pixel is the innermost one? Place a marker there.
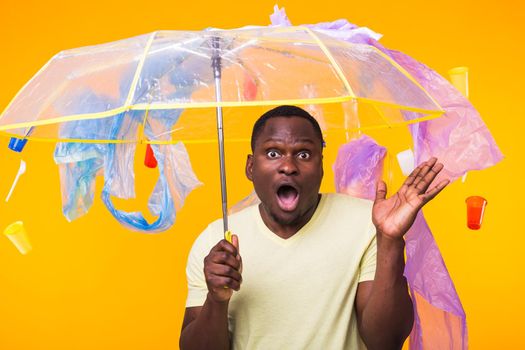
(197, 289)
(367, 267)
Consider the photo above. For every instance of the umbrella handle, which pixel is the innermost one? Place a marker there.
(228, 236)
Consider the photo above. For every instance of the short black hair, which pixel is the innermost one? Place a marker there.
(287, 112)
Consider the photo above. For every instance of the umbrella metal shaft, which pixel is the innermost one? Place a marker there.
(216, 65)
(220, 135)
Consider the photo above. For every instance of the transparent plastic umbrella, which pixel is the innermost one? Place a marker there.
(142, 89)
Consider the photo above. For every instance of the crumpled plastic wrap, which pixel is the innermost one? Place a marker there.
(462, 142)
(80, 163)
(460, 139)
(358, 167)
(439, 310)
(176, 181)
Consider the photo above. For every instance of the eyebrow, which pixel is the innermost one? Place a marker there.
(280, 140)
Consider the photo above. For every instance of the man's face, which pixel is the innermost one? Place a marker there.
(286, 168)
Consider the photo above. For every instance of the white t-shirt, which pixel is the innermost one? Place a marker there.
(297, 293)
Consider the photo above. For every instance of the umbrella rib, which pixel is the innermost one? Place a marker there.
(337, 68)
(206, 141)
(144, 106)
(139, 70)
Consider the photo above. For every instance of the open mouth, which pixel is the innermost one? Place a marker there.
(287, 197)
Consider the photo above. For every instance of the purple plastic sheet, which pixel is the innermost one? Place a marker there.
(439, 318)
(358, 167)
(460, 139)
(462, 142)
(440, 321)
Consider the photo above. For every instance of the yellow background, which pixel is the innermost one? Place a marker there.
(91, 284)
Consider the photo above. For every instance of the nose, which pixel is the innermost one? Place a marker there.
(288, 167)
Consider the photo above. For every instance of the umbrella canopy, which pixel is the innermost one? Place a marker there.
(171, 70)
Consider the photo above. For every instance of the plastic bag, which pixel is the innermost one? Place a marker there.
(358, 167)
(436, 302)
(176, 177)
(80, 163)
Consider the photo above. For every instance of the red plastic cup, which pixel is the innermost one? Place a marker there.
(150, 161)
(475, 210)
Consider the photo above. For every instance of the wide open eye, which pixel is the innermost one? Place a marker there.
(303, 155)
(272, 154)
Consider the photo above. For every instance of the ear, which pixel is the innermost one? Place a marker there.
(249, 167)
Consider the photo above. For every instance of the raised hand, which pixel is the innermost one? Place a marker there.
(394, 216)
(222, 270)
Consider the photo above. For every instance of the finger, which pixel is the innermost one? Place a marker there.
(235, 242)
(240, 262)
(223, 258)
(224, 271)
(425, 182)
(226, 246)
(435, 191)
(426, 166)
(380, 190)
(218, 283)
(411, 178)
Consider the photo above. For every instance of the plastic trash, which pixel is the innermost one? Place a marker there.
(149, 159)
(440, 320)
(459, 78)
(16, 233)
(475, 211)
(176, 176)
(406, 161)
(81, 163)
(358, 167)
(21, 171)
(16, 144)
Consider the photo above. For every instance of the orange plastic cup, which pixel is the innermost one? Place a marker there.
(475, 210)
(150, 160)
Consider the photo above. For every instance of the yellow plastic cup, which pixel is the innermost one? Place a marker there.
(459, 78)
(16, 233)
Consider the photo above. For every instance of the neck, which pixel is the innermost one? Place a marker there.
(286, 230)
